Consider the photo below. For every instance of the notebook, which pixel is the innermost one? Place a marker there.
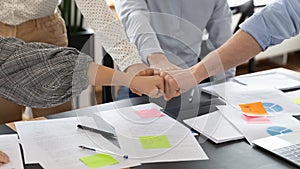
(215, 127)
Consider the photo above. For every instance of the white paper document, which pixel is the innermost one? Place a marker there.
(215, 127)
(262, 2)
(256, 128)
(294, 96)
(10, 146)
(271, 80)
(274, 101)
(54, 143)
(147, 134)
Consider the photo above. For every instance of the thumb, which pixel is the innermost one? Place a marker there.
(136, 92)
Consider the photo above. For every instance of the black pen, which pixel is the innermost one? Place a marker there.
(102, 151)
(104, 133)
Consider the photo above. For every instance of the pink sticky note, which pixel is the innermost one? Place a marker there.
(256, 119)
(149, 113)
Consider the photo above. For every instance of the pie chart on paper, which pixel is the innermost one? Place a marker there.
(276, 130)
(272, 108)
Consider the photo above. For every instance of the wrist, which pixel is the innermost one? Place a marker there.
(136, 68)
(199, 72)
(92, 73)
(122, 79)
(155, 58)
(132, 82)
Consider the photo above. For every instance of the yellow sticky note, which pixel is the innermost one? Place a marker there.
(99, 160)
(155, 142)
(255, 109)
(297, 100)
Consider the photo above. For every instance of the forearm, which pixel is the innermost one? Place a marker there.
(109, 32)
(237, 50)
(104, 76)
(219, 30)
(152, 86)
(160, 62)
(156, 58)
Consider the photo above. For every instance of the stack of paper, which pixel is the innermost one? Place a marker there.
(270, 80)
(256, 111)
(215, 127)
(10, 146)
(272, 100)
(294, 96)
(259, 127)
(54, 144)
(147, 134)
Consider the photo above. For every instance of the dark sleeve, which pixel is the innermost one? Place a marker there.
(41, 75)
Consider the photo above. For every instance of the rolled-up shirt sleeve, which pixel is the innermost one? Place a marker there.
(275, 23)
(135, 16)
(41, 75)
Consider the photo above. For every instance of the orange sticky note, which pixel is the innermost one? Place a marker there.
(254, 109)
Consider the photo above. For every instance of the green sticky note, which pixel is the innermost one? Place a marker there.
(98, 160)
(297, 100)
(155, 142)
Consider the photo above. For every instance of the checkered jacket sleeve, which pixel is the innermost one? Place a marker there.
(41, 75)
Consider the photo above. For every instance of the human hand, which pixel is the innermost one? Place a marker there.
(3, 158)
(159, 62)
(178, 82)
(139, 70)
(153, 86)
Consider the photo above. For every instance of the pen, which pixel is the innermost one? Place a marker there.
(102, 151)
(191, 95)
(104, 133)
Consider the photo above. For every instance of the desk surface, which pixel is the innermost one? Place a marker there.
(231, 155)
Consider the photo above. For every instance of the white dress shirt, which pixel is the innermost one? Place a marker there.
(175, 27)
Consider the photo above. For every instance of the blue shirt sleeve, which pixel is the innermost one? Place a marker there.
(275, 23)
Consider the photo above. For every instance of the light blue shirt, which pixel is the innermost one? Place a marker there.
(175, 27)
(275, 23)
